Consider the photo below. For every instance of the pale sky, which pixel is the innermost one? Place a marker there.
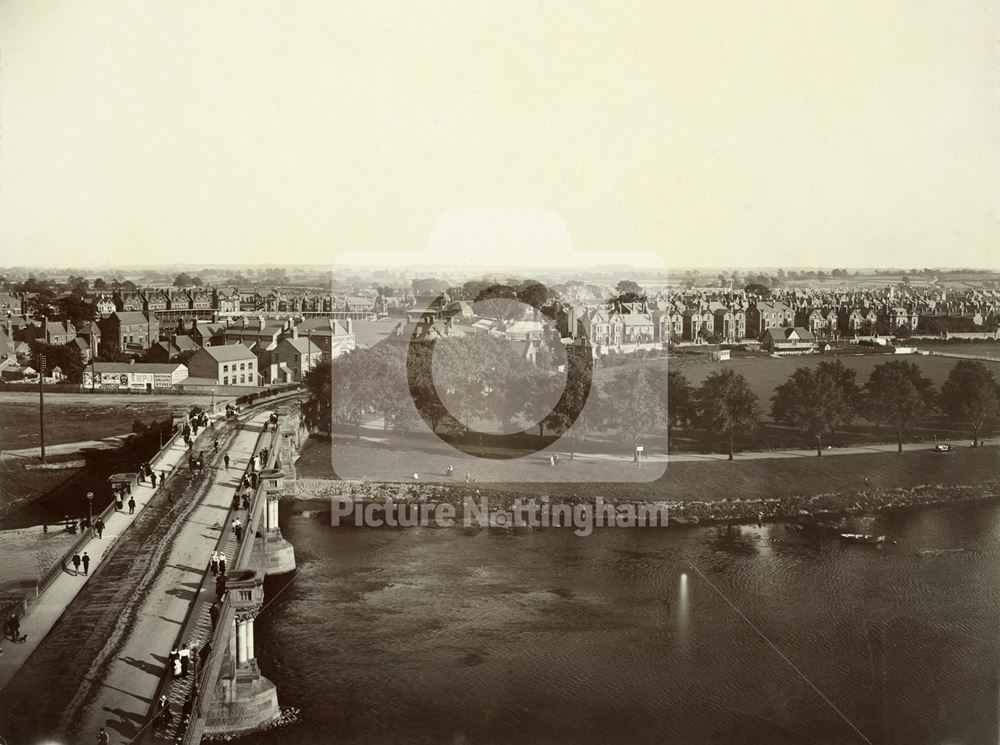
(751, 133)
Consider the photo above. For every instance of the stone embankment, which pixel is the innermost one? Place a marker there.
(796, 508)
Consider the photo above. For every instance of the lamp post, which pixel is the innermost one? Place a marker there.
(90, 509)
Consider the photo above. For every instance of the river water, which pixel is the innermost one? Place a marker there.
(709, 635)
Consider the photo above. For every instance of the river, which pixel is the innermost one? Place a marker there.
(705, 635)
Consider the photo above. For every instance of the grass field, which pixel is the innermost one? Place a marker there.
(73, 417)
(766, 373)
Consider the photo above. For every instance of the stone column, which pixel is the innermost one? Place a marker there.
(272, 514)
(249, 635)
(241, 642)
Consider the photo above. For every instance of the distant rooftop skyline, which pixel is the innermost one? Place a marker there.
(757, 134)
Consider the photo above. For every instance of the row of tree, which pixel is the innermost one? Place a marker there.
(818, 401)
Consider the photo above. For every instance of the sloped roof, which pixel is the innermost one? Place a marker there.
(229, 353)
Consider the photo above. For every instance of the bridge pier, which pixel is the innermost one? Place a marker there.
(244, 701)
(272, 552)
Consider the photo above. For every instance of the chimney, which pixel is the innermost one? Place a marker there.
(131, 360)
(350, 326)
(260, 322)
(295, 332)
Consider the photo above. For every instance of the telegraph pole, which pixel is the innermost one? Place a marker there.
(41, 406)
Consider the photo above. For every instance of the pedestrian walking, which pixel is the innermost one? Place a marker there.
(225, 459)
(246, 500)
(152, 478)
(254, 480)
(222, 563)
(131, 505)
(239, 534)
(102, 737)
(14, 627)
(220, 585)
(86, 563)
(163, 713)
(185, 657)
(215, 445)
(214, 563)
(213, 613)
(236, 501)
(163, 477)
(118, 503)
(99, 527)
(76, 563)
(177, 664)
(235, 524)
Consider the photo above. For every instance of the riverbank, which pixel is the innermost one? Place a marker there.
(775, 489)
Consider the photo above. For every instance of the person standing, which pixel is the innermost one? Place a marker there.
(86, 563)
(225, 459)
(131, 505)
(152, 478)
(214, 563)
(213, 614)
(76, 563)
(239, 533)
(222, 563)
(220, 583)
(99, 527)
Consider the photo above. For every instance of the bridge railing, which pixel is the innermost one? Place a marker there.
(203, 693)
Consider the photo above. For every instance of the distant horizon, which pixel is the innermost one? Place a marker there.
(672, 269)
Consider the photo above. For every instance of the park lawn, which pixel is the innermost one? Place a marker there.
(765, 373)
(73, 421)
(756, 478)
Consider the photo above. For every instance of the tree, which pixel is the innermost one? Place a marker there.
(76, 310)
(726, 404)
(183, 280)
(680, 397)
(898, 395)
(100, 285)
(627, 291)
(316, 410)
(759, 290)
(533, 294)
(971, 396)
(634, 409)
(66, 357)
(817, 400)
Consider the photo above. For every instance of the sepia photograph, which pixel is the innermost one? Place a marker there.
(500, 372)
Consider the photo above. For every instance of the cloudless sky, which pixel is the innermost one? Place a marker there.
(752, 133)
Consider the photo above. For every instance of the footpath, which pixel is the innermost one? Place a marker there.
(46, 609)
(118, 697)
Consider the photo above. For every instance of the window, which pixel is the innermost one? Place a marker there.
(225, 380)
(245, 595)
(225, 368)
(243, 378)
